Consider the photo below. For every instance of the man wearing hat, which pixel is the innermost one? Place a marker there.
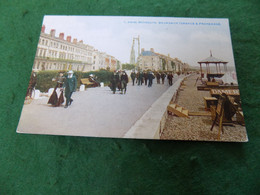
(150, 77)
(124, 81)
(70, 85)
(169, 77)
(93, 79)
(133, 76)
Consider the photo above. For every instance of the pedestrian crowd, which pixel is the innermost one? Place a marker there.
(119, 80)
(147, 77)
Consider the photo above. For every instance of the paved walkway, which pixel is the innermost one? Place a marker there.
(95, 112)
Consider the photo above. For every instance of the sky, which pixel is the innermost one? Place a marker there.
(189, 39)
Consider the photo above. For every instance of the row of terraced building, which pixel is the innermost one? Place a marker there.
(58, 53)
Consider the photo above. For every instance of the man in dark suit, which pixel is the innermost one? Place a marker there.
(114, 81)
(163, 75)
(70, 85)
(145, 77)
(170, 77)
(150, 77)
(133, 76)
(124, 81)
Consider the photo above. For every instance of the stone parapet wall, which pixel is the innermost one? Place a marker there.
(151, 124)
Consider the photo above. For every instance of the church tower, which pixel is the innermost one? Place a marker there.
(132, 56)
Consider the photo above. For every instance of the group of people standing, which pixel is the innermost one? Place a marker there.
(142, 77)
(69, 84)
(147, 76)
(119, 79)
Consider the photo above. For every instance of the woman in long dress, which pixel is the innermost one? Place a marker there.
(57, 98)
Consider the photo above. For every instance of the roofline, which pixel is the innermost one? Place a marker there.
(207, 62)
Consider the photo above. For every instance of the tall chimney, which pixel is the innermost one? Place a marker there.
(75, 40)
(61, 36)
(69, 38)
(43, 29)
(52, 32)
(152, 50)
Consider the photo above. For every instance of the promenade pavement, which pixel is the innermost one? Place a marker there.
(96, 112)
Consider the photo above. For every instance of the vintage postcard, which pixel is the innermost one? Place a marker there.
(158, 78)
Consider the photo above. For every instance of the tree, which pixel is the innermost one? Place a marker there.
(118, 65)
(128, 66)
(173, 65)
(163, 63)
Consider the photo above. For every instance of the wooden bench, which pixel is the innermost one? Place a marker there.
(86, 82)
(212, 84)
(210, 101)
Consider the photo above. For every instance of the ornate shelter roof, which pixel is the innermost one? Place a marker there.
(212, 59)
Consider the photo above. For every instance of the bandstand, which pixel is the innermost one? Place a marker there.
(217, 62)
